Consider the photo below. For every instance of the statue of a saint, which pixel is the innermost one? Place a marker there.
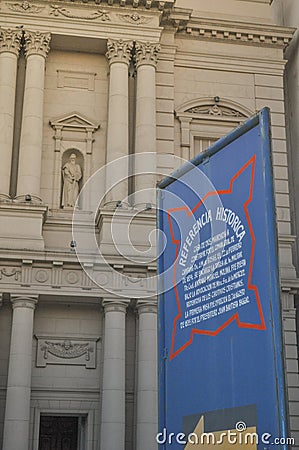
(72, 174)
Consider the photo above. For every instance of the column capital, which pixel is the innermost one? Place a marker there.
(37, 43)
(144, 306)
(10, 40)
(119, 51)
(24, 301)
(114, 305)
(146, 53)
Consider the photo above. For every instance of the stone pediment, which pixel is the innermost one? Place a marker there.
(74, 120)
(210, 108)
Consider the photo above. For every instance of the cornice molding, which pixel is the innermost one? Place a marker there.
(30, 7)
(148, 4)
(226, 30)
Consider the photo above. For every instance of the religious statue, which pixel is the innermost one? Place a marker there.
(72, 174)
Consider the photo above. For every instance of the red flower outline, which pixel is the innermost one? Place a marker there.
(176, 242)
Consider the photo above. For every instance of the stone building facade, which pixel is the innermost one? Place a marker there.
(82, 84)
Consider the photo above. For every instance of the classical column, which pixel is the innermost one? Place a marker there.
(147, 398)
(10, 42)
(36, 49)
(119, 56)
(17, 410)
(145, 132)
(113, 388)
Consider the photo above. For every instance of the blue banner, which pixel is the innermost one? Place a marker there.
(221, 375)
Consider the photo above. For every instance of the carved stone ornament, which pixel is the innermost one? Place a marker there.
(25, 7)
(146, 53)
(215, 110)
(11, 272)
(10, 40)
(119, 51)
(100, 14)
(37, 43)
(134, 18)
(66, 351)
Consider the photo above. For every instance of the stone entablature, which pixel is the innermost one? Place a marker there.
(142, 17)
(62, 278)
(132, 23)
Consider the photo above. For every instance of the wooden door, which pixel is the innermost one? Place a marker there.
(58, 433)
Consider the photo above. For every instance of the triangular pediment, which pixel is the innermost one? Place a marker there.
(74, 120)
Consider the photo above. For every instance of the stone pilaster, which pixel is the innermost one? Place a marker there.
(17, 409)
(119, 56)
(10, 42)
(113, 388)
(290, 356)
(36, 50)
(147, 389)
(145, 133)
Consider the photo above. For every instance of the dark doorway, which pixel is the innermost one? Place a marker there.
(58, 433)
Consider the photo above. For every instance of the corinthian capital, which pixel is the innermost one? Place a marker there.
(146, 53)
(37, 43)
(10, 40)
(119, 51)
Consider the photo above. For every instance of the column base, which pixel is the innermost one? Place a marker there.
(21, 225)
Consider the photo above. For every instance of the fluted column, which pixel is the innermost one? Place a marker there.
(10, 42)
(113, 388)
(36, 50)
(147, 390)
(17, 410)
(119, 56)
(145, 133)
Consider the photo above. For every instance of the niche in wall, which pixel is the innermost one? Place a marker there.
(74, 134)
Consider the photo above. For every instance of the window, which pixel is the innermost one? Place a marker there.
(204, 121)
